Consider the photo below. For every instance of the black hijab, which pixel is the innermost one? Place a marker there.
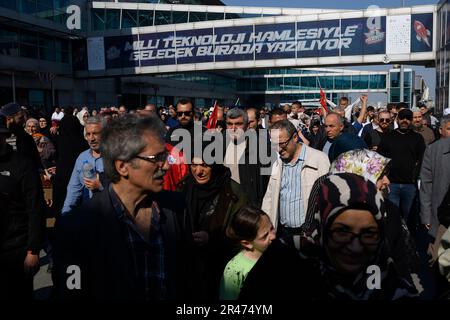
(202, 198)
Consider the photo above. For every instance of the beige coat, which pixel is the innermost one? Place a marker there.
(316, 165)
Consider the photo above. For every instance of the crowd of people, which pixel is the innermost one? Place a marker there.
(345, 202)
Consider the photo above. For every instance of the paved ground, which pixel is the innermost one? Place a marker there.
(42, 280)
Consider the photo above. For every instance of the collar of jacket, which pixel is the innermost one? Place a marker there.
(308, 161)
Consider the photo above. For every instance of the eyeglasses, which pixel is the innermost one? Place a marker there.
(157, 158)
(284, 144)
(385, 120)
(368, 238)
(186, 113)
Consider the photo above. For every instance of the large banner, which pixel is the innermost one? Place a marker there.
(296, 40)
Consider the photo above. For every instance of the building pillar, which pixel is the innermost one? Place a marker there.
(13, 80)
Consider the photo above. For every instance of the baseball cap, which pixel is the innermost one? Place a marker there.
(405, 114)
(10, 109)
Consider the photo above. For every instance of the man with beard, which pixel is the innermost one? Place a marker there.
(129, 242)
(419, 127)
(22, 222)
(185, 116)
(20, 140)
(381, 126)
(405, 147)
(80, 186)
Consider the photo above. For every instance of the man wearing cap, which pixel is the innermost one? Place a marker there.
(22, 223)
(20, 141)
(419, 127)
(405, 147)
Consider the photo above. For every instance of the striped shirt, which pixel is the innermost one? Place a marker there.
(292, 213)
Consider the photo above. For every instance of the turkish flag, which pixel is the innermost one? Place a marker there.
(323, 100)
(212, 121)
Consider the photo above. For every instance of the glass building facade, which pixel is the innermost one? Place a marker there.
(443, 56)
(394, 86)
(17, 42)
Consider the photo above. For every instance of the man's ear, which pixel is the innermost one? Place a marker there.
(246, 244)
(121, 167)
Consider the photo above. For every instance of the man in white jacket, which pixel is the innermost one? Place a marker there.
(292, 178)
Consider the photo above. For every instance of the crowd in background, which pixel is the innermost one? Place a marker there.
(349, 186)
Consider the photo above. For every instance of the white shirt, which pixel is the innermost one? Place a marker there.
(232, 155)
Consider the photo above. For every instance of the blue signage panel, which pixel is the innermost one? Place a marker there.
(369, 36)
(119, 52)
(233, 44)
(275, 41)
(329, 38)
(156, 49)
(422, 32)
(193, 46)
(320, 39)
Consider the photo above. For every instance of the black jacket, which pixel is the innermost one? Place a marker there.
(27, 147)
(92, 237)
(253, 182)
(22, 216)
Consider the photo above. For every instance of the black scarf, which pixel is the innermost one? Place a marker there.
(202, 198)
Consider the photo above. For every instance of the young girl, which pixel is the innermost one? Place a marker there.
(252, 230)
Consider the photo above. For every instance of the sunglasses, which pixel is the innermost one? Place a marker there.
(385, 120)
(185, 113)
(405, 117)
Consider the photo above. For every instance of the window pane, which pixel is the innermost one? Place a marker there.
(214, 16)
(28, 6)
(360, 82)
(29, 38)
(292, 83)
(308, 83)
(326, 82)
(163, 17)
(395, 79)
(145, 18)
(259, 84)
(9, 40)
(197, 16)
(98, 19)
(179, 17)
(28, 51)
(112, 19)
(129, 19)
(395, 95)
(9, 4)
(275, 84)
(342, 82)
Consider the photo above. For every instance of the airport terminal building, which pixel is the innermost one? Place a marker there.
(103, 53)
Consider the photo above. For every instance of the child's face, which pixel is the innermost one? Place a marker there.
(265, 235)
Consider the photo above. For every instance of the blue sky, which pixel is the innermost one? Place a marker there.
(429, 74)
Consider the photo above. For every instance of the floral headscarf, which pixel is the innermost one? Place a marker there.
(363, 162)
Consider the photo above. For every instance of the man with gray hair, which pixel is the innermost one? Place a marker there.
(434, 182)
(88, 170)
(292, 178)
(444, 128)
(131, 241)
(244, 164)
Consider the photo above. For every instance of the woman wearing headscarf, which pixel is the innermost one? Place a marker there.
(375, 168)
(46, 150)
(212, 198)
(70, 143)
(349, 259)
(82, 116)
